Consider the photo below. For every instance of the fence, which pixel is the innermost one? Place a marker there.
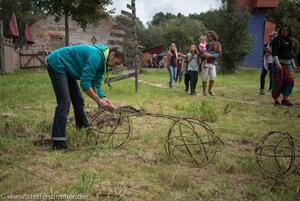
(16, 58)
(32, 58)
(11, 56)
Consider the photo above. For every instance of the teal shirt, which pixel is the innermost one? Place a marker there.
(82, 62)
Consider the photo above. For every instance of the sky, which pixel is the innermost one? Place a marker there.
(146, 9)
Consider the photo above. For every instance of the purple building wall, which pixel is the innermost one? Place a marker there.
(257, 28)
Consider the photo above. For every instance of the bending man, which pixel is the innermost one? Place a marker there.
(85, 63)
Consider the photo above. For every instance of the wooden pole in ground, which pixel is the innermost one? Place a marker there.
(136, 63)
(2, 71)
(2, 68)
(130, 41)
(67, 33)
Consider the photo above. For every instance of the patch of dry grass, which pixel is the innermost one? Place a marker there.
(141, 170)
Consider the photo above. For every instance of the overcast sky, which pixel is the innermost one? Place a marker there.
(146, 9)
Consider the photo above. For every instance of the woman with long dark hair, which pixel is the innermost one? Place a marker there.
(283, 74)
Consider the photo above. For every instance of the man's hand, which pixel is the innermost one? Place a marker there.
(295, 67)
(104, 103)
(278, 66)
(206, 55)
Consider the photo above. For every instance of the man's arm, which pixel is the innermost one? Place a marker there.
(101, 102)
(189, 57)
(275, 47)
(87, 85)
(168, 61)
(97, 84)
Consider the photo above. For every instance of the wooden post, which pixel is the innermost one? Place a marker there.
(136, 63)
(20, 56)
(67, 39)
(2, 67)
(129, 42)
(44, 57)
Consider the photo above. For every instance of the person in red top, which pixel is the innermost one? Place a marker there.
(171, 63)
(179, 68)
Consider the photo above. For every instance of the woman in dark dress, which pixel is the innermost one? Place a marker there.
(283, 74)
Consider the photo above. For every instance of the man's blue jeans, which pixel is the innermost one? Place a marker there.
(66, 90)
(178, 75)
(172, 73)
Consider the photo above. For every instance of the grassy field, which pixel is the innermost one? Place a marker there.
(141, 170)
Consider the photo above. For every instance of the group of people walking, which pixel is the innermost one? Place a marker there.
(279, 62)
(278, 59)
(202, 58)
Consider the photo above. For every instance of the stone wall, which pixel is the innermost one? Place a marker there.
(49, 34)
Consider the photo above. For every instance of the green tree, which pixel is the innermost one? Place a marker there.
(141, 30)
(208, 18)
(182, 31)
(287, 12)
(160, 18)
(195, 28)
(235, 36)
(176, 29)
(153, 37)
(174, 34)
(231, 24)
(82, 11)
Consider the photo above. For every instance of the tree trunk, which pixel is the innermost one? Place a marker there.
(67, 39)
(2, 70)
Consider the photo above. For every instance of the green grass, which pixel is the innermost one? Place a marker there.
(141, 170)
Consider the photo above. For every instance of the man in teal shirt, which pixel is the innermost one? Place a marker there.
(88, 64)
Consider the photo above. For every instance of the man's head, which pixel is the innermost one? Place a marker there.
(212, 36)
(271, 37)
(173, 47)
(116, 57)
(274, 34)
(285, 31)
(202, 39)
(193, 48)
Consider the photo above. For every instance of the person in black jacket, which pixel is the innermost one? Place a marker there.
(283, 74)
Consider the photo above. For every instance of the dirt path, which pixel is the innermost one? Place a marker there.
(218, 97)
